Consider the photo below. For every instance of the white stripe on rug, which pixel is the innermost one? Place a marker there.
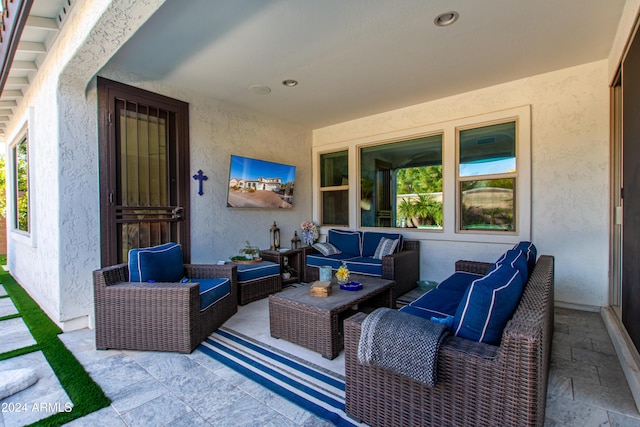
(315, 389)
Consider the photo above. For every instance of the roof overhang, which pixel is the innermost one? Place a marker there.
(14, 18)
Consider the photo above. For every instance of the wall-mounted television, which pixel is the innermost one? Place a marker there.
(259, 184)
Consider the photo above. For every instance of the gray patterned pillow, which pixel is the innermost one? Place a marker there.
(326, 248)
(385, 247)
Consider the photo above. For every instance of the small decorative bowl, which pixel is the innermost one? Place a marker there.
(351, 286)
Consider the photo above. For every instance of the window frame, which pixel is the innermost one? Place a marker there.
(358, 150)
(447, 127)
(13, 234)
(505, 175)
(26, 237)
(333, 188)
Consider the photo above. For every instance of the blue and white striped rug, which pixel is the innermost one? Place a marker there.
(313, 388)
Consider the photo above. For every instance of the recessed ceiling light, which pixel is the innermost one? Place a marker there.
(260, 89)
(446, 18)
(290, 83)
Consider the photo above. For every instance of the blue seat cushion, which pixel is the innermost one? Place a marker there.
(365, 265)
(334, 261)
(371, 239)
(248, 272)
(459, 281)
(347, 242)
(530, 251)
(212, 291)
(439, 303)
(161, 263)
(488, 304)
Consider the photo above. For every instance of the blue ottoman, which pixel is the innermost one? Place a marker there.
(257, 281)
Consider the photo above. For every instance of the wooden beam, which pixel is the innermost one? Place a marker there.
(11, 94)
(24, 66)
(41, 23)
(32, 47)
(17, 81)
(14, 18)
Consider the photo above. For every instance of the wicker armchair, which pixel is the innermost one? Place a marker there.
(478, 384)
(158, 316)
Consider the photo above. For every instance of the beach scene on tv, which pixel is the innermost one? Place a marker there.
(260, 184)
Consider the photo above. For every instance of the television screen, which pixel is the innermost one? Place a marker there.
(260, 184)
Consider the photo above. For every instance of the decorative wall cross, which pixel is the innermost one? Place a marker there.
(200, 177)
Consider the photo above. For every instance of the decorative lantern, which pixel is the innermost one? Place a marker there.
(295, 242)
(274, 232)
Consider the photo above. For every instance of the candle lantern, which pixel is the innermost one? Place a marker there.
(274, 233)
(295, 242)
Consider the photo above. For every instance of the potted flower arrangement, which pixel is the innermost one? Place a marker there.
(309, 232)
(342, 274)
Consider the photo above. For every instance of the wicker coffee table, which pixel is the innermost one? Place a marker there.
(316, 322)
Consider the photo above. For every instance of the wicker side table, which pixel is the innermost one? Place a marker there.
(316, 322)
(295, 257)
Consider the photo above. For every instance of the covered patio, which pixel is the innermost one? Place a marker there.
(316, 86)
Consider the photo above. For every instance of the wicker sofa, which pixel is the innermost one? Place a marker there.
(357, 249)
(159, 316)
(478, 384)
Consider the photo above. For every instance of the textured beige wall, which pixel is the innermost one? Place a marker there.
(570, 172)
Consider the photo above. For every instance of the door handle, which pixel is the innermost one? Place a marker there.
(177, 212)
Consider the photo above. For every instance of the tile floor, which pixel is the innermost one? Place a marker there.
(586, 385)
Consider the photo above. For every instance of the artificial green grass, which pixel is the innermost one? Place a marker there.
(85, 394)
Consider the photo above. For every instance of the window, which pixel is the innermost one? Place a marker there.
(20, 158)
(334, 188)
(464, 179)
(487, 176)
(401, 184)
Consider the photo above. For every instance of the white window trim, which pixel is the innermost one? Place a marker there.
(449, 185)
(26, 238)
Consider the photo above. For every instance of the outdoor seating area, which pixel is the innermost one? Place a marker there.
(157, 303)
(284, 213)
(172, 388)
(503, 383)
(256, 281)
(386, 255)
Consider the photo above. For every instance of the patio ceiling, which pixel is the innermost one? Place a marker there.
(351, 59)
(360, 57)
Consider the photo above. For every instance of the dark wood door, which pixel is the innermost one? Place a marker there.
(144, 170)
(631, 195)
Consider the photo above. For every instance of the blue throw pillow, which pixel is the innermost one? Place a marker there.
(134, 266)
(516, 259)
(530, 251)
(159, 264)
(348, 242)
(488, 304)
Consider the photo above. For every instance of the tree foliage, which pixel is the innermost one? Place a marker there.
(22, 186)
(425, 179)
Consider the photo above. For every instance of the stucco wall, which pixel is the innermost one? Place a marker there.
(55, 262)
(570, 172)
(217, 130)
